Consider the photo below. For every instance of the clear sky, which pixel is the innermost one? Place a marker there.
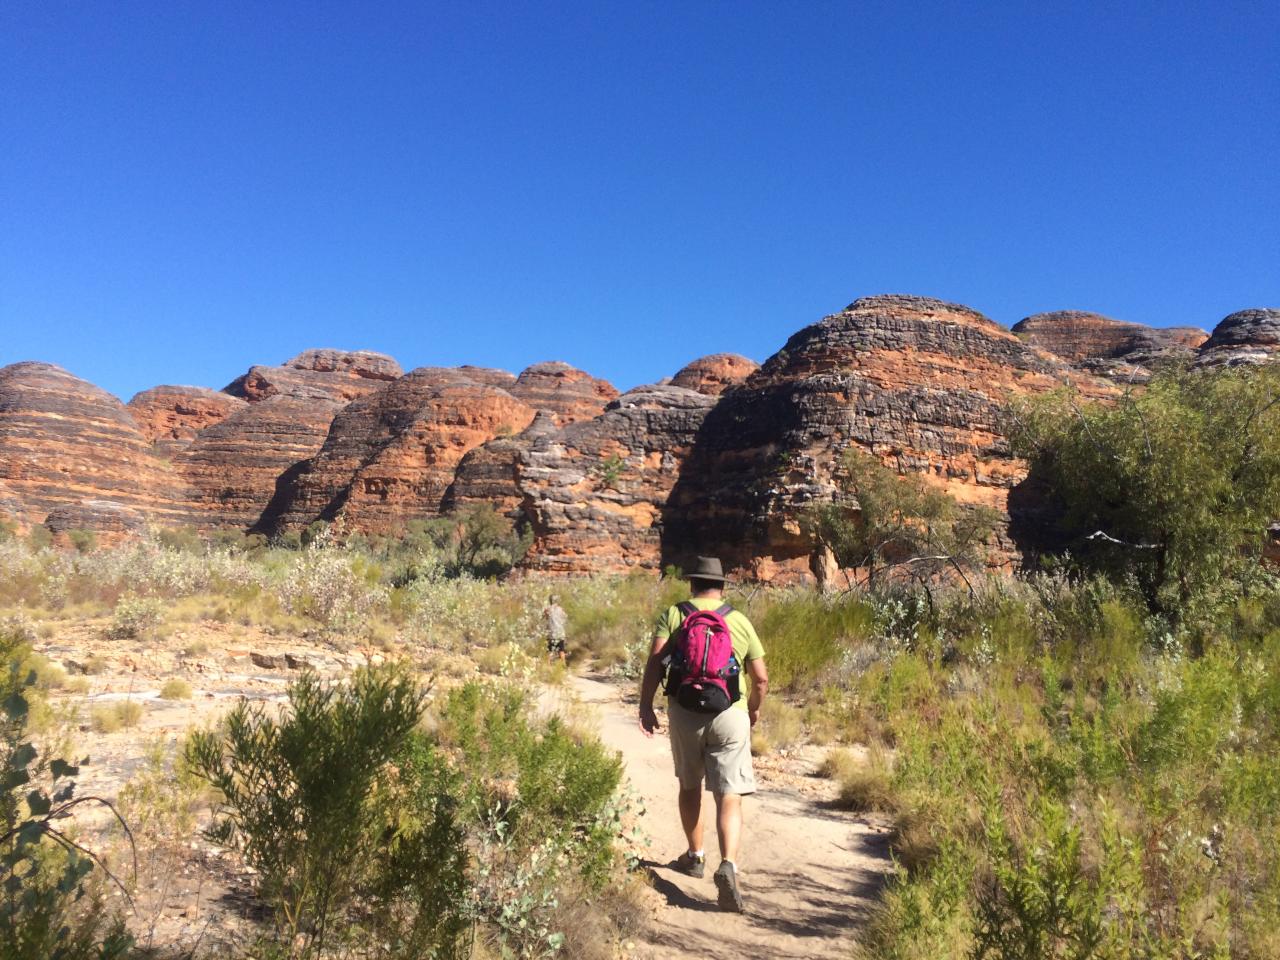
(190, 188)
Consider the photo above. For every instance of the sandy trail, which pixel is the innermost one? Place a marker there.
(809, 873)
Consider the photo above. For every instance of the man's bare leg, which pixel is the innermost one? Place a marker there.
(691, 817)
(729, 825)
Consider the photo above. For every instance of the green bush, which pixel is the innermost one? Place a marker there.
(332, 803)
(48, 910)
(1171, 487)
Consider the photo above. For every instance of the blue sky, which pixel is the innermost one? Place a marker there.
(187, 189)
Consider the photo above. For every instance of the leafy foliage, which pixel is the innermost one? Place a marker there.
(1173, 486)
(883, 523)
(47, 911)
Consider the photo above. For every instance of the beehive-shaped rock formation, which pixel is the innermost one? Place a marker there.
(714, 374)
(1245, 337)
(568, 393)
(918, 383)
(170, 417)
(1105, 347)
(233, 469)
(65, 442)
(335, 375)
(391, 456)
(594, 491)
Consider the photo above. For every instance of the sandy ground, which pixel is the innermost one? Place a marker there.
(809, 873)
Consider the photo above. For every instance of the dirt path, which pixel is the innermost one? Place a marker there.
(809, 873)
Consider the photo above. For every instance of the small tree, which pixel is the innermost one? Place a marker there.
(1172, 486)
(883, 522)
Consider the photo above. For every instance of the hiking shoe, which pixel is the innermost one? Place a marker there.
(727, 888)
(692, 864)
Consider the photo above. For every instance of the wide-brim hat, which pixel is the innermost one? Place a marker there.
(706, 568)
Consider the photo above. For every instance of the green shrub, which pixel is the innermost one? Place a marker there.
(175, 689)
(135, 618)
(48, 910)
(334, 804)
(1170, 487)
(110, 717)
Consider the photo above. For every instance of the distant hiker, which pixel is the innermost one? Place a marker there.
(555, 620)
(700, 649)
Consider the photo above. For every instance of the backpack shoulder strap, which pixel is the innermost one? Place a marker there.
(687, 609)
(725, 609)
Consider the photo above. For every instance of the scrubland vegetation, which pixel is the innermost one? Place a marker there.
(1082, 761)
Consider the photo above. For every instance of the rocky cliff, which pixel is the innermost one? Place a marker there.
(66, 445)
(595, 490)
(391, 456)
(1106, 347)
(918, 383)
(233, 469)
(335, 375)
(1246, 337)
(170, 417)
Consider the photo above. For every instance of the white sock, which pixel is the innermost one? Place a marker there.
(700, 854)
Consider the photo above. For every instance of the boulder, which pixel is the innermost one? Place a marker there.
(594, 490)
(170, 417)
(568, 393)
(713, 374)
(334, 375)
(1245, 337)
(918, 383)
(391, 456)
(64, 442)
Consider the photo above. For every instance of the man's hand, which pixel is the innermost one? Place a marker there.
(754, 715)
(648, 720)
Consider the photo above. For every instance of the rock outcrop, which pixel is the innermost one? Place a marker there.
(1246, 337)
(1106, 347)
(170, 417)
(916, 382)
(334, 375)
(233, 468)
(595, 490)
(109, 521)
(489, 474)
(568, 393)
(64, 442)
(714, 374)
(391, 456)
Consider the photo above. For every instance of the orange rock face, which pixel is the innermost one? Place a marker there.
(595, 490)
(391, 456)
(170, 417)
(65, 443)
(489, 474)
(233, 468)
(334, 375)
(714, 374)
(918, 383)
(566, 392)
(1106, 347)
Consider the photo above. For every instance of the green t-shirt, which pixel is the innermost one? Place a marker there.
(746, 645)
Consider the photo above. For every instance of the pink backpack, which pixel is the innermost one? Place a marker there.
(702, 672)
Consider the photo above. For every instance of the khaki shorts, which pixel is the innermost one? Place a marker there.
(715, 746)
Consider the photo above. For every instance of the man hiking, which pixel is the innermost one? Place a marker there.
(710, 715)
(554, 621)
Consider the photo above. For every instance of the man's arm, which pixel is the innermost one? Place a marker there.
(759, 687)
(649, 687)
